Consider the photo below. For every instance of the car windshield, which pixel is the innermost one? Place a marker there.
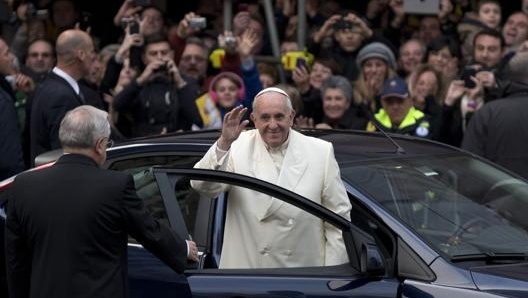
(460, 205)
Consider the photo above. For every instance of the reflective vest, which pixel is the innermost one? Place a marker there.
(415, 123)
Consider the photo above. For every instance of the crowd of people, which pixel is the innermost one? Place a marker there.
(458, 75)
(423, 75)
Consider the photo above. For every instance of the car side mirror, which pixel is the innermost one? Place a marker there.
(364, 254)
(371, 259)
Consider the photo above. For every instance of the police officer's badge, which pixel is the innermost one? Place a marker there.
(422, 131)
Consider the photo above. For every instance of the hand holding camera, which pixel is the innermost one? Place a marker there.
(360, 23)
(128, 9)
(487, 78)
(132, 43)
(190, 24)
(474, 75)
(133, 26)
(26, 12)
(162, 69)
(228, 42)
(152, 70)
(327, 29)
(198, 23)
(455, 91)
(301, 74)
(174, 73)
(468, 75)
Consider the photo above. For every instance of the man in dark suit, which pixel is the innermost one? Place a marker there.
(11, 161)
(67, 225)
(60, 91)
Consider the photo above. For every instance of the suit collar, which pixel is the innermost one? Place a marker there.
(69, 158)
(69, 79)
(293, 165)
(4, 84)
(57, 78)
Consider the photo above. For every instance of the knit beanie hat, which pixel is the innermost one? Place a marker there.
(376, 50)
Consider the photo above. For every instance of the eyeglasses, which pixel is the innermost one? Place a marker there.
(198, 59)
(109, 142)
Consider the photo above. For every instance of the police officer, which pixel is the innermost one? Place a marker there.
(398, 115)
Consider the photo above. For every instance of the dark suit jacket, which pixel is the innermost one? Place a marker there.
(11, 160)
(53, 98)
(66, 232)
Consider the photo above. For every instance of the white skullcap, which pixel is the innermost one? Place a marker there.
(273, 89)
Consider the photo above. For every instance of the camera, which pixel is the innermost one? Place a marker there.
(134, 27)
(198, 23)
(32, 13)
(343, 24)
(468, 72)
(230, 41)
(162, 69)
(131, 23)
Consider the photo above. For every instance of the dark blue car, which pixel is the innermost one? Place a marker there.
(428, 220)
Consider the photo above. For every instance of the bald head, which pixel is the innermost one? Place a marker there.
(75, 53)
(71, 40)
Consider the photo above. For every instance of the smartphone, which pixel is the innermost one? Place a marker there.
(133, 27)
(467, 73)
(300, 62)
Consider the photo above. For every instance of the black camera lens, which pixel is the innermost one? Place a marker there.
(162, 69)
(342, 25)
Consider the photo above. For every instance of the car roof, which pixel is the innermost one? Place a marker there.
(349, 145)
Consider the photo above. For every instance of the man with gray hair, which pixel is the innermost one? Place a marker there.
(67, 225)
(499, 130)
(275, 234)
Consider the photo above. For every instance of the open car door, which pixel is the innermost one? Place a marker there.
(362, 276)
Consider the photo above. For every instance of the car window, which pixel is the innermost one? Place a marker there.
(188, 201)
(147, 188)
(459, 204)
